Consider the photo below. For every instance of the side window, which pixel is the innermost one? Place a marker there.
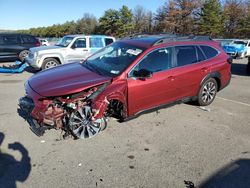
(158, 60)
(96, 42)
(10, 39)
(80, 43)
(108, 41)
(209, 51)
(28, 39)
(185, 55)
(200, 55)
(1, 40)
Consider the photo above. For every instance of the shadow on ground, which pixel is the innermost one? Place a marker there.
(234, 175)
(239, 69)
(12, 170)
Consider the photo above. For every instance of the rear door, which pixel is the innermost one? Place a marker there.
(96, 43)
(191, 68)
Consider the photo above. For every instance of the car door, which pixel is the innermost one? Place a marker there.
(191, 68)
(146, 93)
(78, 51)
(96, 43)
(10, 46)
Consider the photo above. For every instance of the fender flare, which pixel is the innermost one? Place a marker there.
(59, 56)
(215, 75)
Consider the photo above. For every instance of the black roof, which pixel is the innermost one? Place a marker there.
(152, 40)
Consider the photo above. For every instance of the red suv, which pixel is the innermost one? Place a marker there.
(124, 80)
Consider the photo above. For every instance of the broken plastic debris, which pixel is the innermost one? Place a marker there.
(42, 141)
(205, 109)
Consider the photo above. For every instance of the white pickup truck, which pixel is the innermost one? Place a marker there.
(70, 48)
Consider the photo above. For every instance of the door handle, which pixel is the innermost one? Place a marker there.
(85, 50)
(171, 78)
(204, 69)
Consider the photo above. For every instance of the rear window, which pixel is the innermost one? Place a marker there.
(28, 39)
(108, 41)
(209, 51)
(185, 55)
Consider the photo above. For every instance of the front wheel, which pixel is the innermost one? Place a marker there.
(207, 92)
(83, 126)
(49, 63)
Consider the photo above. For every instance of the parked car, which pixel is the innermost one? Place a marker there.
(44, 42)
(70, 48)
(123, 80)
(15, 46)
(238, 48)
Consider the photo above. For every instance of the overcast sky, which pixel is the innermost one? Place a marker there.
(24, 14)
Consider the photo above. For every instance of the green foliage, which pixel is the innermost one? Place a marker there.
(116, 22)
(211, 21)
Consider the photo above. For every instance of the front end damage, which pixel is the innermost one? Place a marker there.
(81, 114)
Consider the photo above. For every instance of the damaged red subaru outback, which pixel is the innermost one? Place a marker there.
(124, 80)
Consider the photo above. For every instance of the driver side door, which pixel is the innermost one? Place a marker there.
(147, 93)
(78, 51)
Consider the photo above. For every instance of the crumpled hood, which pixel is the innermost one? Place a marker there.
(234, 47)
(65, 79)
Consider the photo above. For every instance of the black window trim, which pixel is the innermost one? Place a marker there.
(219, 52)
(199, 46)
(173, 60)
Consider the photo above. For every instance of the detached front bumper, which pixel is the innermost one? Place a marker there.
(26, 107)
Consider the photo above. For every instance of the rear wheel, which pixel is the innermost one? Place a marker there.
(23, 54)
(207, 92)
(49, 63)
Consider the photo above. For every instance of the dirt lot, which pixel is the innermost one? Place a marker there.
(207, 147)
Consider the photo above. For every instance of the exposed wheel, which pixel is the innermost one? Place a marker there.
(82, 126)
(207, 92)
(23, 54)
(49, 63)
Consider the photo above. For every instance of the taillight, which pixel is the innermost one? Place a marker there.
(38, 44)
(230, 60)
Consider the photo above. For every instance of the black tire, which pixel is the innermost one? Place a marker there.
(49, 63)
(248, 66)
(207, 92)
(23, 54)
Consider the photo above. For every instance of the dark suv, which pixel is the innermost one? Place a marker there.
(15, 46)
(124, 80)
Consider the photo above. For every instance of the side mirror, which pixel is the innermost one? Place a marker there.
(143, 73)
(73, 46)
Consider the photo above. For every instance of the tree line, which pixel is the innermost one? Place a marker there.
(230, 19)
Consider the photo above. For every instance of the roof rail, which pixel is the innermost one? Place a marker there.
(154, 34)
(183, 38)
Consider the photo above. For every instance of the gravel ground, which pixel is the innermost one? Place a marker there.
(182, 146)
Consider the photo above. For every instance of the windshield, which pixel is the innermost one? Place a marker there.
(240, 42)
(114, 59)
(64, 42)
